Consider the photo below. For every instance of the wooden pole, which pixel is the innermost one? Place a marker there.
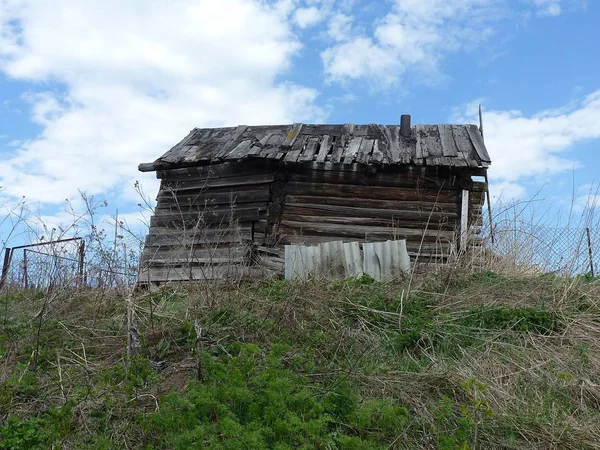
(480, 122)
(487, 187)
(25, 278)
(487, 195)
(589, 239)
(81, 281)
(464, 218)
(5, 266)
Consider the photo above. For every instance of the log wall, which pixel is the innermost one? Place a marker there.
(233, 218)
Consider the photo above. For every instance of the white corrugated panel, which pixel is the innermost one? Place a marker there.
(381, 260)
(385, 260)
(332, 260)
(353, 263)
(301, 262)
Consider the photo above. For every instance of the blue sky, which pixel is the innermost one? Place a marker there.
(88, 91)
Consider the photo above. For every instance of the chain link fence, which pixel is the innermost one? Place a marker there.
(563, 251)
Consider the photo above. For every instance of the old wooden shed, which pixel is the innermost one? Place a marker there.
(231, 198)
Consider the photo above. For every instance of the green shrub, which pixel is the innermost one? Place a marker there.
(36, 433)
(252, 400)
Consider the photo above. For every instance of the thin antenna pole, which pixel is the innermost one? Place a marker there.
(480, 122)
(487, 190)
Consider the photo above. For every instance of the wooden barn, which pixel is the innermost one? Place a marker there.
(231, 198)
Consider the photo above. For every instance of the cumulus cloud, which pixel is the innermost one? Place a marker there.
(122, 84)
(524, 147)
(414, 34)
(308, 17)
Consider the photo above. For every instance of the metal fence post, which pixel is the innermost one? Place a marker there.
(590, 252)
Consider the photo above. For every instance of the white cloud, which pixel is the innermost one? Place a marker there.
(308, 17)
(134, 79)
(548, 7)
(339, 27)
(414, 34)
(525, 147)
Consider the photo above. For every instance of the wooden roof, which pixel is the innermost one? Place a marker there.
(432, 145)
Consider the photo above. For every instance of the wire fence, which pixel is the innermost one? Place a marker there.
(64, 264)
(563, 251)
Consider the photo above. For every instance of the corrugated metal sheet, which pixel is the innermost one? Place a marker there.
(385, 260)
(381, 260)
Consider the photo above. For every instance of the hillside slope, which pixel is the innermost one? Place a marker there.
(459, 361)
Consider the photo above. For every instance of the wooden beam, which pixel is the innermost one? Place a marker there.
(231, 141)
(324, 149)
(464, 219)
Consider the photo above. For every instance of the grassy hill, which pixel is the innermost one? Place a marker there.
(458, 361)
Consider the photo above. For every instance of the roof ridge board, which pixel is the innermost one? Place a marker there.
(311, 125)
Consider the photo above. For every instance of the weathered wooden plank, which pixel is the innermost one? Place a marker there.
(373, 203)
(293, 153)
(352, 150)
(179, 186)
(231, 142)
(447, 141)
(377, 153)
(222, 170)
(254, 150)
(200, 238)
(407, 148)
(322, 129)
(240, 150)
(292, 135)
(189, 254)
(312, 146)
(466, 151)
(333, 167)
(191, 262)
(357, 231)
(464, 211)
(174, 153)
(364, 152)
(421, 146)
(341, 143)
(263, 141)
(413, 243)
(209, 230)
(272, 146)
(369, 221)
(432, 141)
(408, 179)
(393, 138)
(197, 209)
(477, 141)
(324, 148)
(186, 274)
(349, 211)
(377, 192)
(213, 198)
(209, 217)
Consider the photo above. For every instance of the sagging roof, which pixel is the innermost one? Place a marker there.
(432, 145)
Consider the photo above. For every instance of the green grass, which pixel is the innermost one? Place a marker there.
(461, 361)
